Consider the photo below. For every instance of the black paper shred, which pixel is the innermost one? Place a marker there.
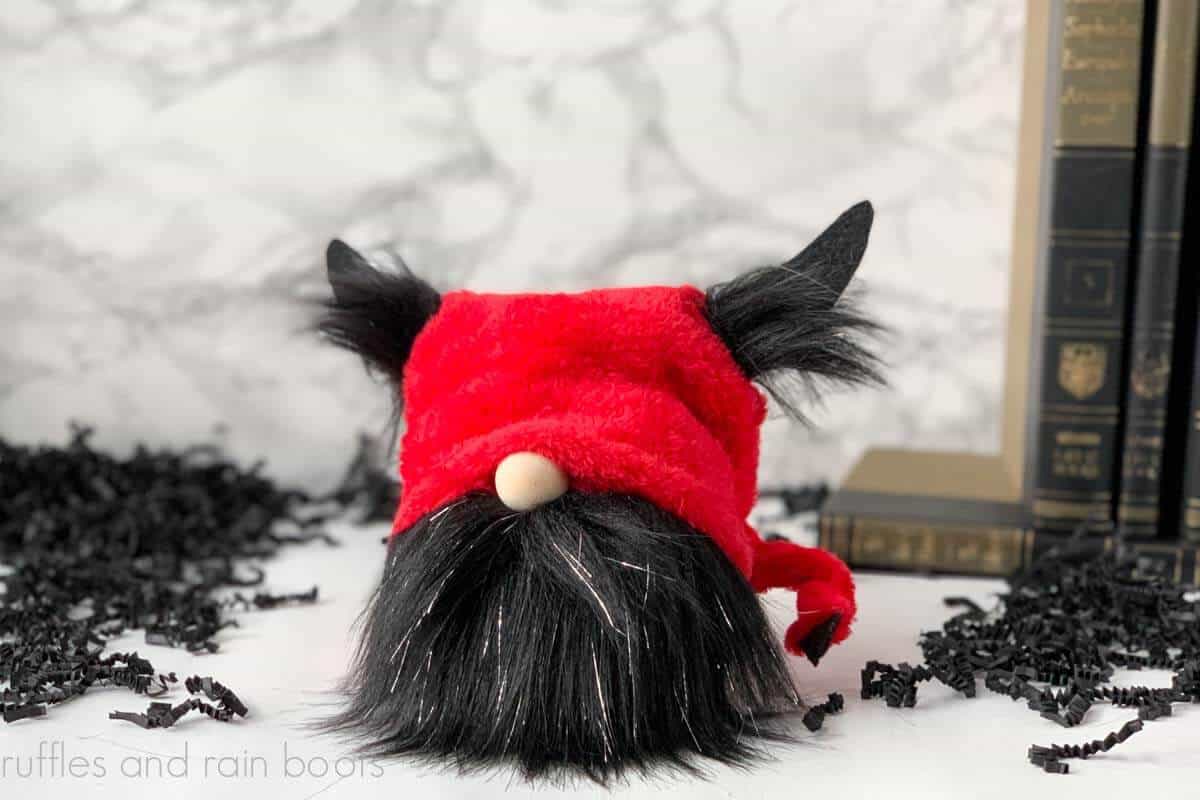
(1050, 758)
(1056, 637)
(164, 715)
(814, 718)
(93, 546)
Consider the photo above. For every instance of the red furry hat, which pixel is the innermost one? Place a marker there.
(571, 577)
(622, 390)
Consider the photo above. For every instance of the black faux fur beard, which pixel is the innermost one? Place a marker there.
(596, 634)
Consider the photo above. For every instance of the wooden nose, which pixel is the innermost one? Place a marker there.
(525, 481)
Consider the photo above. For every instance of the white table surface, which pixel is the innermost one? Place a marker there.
(283, 662)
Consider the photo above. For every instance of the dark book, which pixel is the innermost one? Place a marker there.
(1181, 511)
(1086, 263)
(905, 533)
(1157, 271)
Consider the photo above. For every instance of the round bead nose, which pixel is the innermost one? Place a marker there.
(525, 481)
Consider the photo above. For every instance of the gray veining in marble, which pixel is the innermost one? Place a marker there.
(170, 172)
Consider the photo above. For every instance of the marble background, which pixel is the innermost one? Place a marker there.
(170, 172)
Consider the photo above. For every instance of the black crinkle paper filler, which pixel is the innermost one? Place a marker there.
(1055, 638)
(95, 545)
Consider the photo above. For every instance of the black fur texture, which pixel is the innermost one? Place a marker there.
(791, 325)
(596, 634)
(374, 313)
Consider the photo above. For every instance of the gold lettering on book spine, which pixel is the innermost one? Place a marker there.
(916, 546)
(1100, 61)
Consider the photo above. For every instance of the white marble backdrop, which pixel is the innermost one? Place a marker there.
(170, 172)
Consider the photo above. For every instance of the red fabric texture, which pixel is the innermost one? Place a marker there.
(821, 581)
(627, 391)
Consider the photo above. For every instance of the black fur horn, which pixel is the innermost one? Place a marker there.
(834, 256)
(791, 324)
(373, 313)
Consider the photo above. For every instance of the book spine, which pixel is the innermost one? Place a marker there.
(1087, 261)
(1156, 283)
(1183, 425)
(903, 544)
(1189, 513)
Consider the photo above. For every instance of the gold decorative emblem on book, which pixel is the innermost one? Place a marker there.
(1081, 368)
(1150, 373)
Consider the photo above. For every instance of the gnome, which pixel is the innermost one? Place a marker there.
(571, 582)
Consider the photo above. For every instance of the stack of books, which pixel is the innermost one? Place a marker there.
(1102, 409)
